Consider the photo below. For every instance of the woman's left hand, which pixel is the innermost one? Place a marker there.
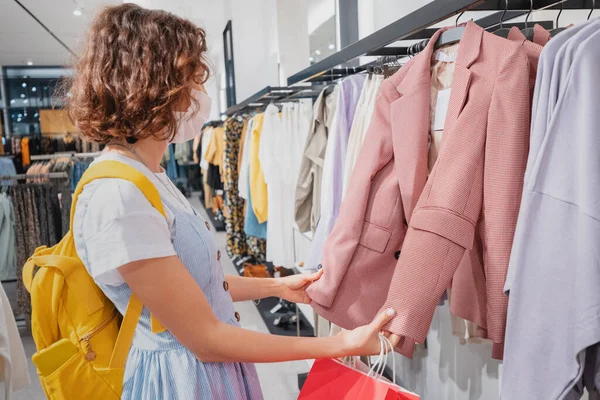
(293, 287)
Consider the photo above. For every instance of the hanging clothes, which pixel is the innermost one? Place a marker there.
(8, 251)
(214, 157)
(308, 188)
(553, 277)
(360, 125)
(169, 157)
(25, 152)
(183, 152)
(206, 138)
(271, 152)
(234, 220)
(333, 166)
(255, 232)
(439, 228)
(7, 168)
(258, 187)
(252, 226)
(37, 222)
(243, 179)
(14, 371)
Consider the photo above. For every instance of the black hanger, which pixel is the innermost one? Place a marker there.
(592, 10)
(451, 36)
(503, 32)
(528, 32)
(557, 30)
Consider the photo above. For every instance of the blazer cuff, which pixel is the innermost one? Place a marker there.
(498, 351)
(406, 347)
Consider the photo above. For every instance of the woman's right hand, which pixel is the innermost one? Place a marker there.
(364, 340)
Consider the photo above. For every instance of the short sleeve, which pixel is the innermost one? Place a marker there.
(115, 225)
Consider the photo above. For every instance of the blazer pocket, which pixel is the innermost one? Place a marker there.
(374, 237)
(445, 223)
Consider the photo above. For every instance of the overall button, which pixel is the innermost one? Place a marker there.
(207, 225)
(218, 255)
(225, 286)
(237, 316)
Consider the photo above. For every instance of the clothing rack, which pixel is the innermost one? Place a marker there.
(62, 155)
(214, 123)
(415, 26)
(50, 175)
(271, 94)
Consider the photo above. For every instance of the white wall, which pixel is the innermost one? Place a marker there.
(255, 45)
(294, 49)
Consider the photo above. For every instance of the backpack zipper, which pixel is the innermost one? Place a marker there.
(90, 355)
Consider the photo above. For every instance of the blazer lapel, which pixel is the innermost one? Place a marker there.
(410, 115)
(468, 51)
(410, 121)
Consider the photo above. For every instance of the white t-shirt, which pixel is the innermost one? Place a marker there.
(114, 223)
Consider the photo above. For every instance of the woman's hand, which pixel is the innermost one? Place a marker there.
(364, 340)
(293, 287)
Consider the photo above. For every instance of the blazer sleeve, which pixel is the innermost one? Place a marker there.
(506, 150)
(437, 237)
(343, 240)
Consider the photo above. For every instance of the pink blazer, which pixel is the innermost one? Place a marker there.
(454, 229)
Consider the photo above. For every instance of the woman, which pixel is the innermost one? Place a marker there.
(137, 87)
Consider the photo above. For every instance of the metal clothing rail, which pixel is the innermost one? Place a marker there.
(63, 155)
(271, 94)
(50, 175)
(415, 26)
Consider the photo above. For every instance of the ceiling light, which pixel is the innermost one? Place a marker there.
(18, 119)
(318, 52)
(331, 47)
(12, 101)
(23, 84)
(77, 12)
(36, 115)
(22, 96)
(34, 89)
(29, 63)
(311, 59)
(25, 101)
(20, 115)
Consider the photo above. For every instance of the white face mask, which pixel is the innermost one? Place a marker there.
(190, 124)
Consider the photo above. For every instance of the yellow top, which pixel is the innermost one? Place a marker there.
(258, 186)
(216, 148)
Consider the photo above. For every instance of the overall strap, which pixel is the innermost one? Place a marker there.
(119, 170)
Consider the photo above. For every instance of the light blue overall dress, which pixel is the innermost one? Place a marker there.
(158, 366)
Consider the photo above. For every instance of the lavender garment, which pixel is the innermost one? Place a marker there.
(553, 322)
(333, 168)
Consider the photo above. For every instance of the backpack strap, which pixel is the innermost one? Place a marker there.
(119, 170)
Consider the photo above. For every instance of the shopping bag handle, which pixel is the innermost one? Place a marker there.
(380, 363)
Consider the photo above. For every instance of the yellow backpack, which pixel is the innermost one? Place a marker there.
(67, 304)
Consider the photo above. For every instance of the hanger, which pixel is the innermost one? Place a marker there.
(528, 32)
(557, 30)
(592, 10)
(503, 32)
(450, 36)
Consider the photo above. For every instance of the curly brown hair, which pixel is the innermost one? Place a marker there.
(137, 66)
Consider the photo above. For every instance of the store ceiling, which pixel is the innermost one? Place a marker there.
(23, 39)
